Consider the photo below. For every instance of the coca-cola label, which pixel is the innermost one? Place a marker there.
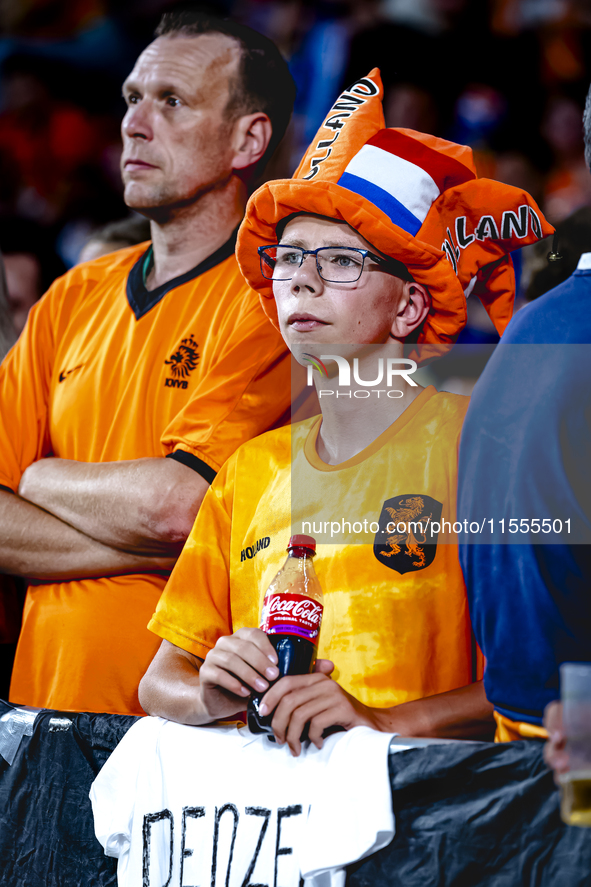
(293, 614)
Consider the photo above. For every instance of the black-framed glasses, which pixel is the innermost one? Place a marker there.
(335, 264)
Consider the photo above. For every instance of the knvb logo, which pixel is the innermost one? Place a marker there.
(182, 363)
(387, 371)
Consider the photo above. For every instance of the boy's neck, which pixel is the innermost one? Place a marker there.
(352, 420)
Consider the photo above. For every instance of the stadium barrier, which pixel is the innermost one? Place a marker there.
(468, 814)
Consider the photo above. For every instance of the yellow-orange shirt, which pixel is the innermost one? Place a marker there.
(107, 371)
(396, 620)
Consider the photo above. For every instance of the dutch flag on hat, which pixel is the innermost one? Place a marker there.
(402, 176)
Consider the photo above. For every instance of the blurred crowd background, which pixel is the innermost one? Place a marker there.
(508, 77)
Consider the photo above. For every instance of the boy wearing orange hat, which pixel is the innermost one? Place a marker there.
(367, 249)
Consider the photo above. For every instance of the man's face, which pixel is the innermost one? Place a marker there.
(176, 138)
(313, 311)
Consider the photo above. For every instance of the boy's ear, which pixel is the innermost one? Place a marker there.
(413, 307)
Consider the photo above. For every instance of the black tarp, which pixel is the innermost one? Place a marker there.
(477, 815)
(467, 815)
(46, 826)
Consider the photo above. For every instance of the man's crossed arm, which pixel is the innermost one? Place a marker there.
(182, 688)
(72, 519)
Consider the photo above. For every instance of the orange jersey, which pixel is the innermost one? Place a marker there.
(107, 371)
(509, 730)
(396, 620)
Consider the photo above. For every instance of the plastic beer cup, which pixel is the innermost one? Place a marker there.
(575, 785)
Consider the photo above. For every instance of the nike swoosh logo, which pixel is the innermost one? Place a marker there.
(65, 373)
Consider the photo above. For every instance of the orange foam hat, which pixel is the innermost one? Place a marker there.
(414, 197)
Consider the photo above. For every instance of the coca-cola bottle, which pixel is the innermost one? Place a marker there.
(291, 617)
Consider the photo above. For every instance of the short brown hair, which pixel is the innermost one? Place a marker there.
(263, 83)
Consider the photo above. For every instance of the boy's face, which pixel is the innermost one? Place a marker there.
(310, 310)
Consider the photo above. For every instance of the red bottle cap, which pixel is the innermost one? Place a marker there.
(302, 542)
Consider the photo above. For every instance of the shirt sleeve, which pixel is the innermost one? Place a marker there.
(246, 391)
(194, 609)
(25, 378)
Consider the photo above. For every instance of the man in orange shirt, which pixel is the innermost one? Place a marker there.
(160, 350)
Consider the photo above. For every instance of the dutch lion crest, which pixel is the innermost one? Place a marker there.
(404, 542)
(185, 359)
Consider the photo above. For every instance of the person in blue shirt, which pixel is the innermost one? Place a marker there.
(525, 478)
